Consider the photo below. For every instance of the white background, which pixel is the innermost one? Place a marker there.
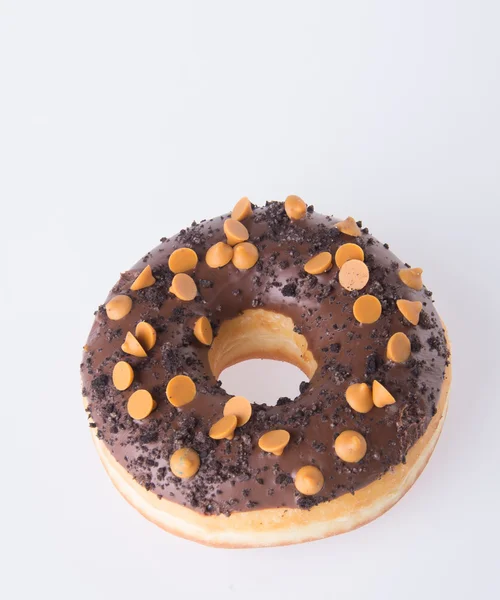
(121, 122)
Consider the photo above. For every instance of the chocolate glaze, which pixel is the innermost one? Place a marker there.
(236, 475)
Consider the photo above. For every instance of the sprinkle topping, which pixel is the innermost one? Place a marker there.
(184, 287)
(144, 279)
(235, 232)
(118, 307)
(240, 407)
(410, 310)
(242, 209)
(398, 348)
(123, 375)
(185, 463)
(146, 335)
(181, 390)
(309, 480)
(140, 404)
(295, 208)
(354, 275)
(319, 263)
(359, 397)
(203, 331)
(349, 227)
(348, 252)
(224, 428)
(182, 260)
(218, 255)
(412, 278)
(245, 255)
(350, 446)
(274, 441)
(367, 309)
(381, 397)
(132, 346)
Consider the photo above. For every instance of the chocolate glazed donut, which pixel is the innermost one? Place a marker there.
(280, 282)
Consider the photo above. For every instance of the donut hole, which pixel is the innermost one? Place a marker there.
(260, 334)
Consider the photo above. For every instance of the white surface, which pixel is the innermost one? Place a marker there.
(121, 122)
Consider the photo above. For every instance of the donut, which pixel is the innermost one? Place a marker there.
(279, 282)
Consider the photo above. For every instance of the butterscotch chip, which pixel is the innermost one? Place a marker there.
(184, 287)
(354, 275)
(412, 278)
(242, 209)
(309, 480)
(398, 348)
(203, 331)
(350, 446)
(118, 307)
(348, 252)
(184, 463)
(146, 335)
(367, 309)
(410, 310)
(123, 375)
(295, 208)
(224, 428)
(181, 390)
(359, 397)
(274, 441)
(245, 255)
(218, 255)
(144, 279)
(182, 260)
(349, 227)
(319, 263)
(132, 346)
(140, 404)
(381, 397)
(235, 232)
(240, 407)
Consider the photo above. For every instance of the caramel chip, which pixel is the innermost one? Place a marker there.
(240, 407)
(242, 209)
(203, 331)
(118, 307)
(235, 232)
(123, 375)
(146, 335)
(295, 208)
(184, 287)
(184, 463)
(398, 348)
(144, 279)
(410, 310)
(412, 278)
(218, 255)
(359, 397)
(309, 480)
(367, 309)
(349, 227)
(224, 428)
(354, 275)
(274, 441)
(319, 263)
(245, 255)
(182, 260)
(140, 404)
(133, 347)
(181, 390)
(348, 252)
(350, 446)
(381, 397)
